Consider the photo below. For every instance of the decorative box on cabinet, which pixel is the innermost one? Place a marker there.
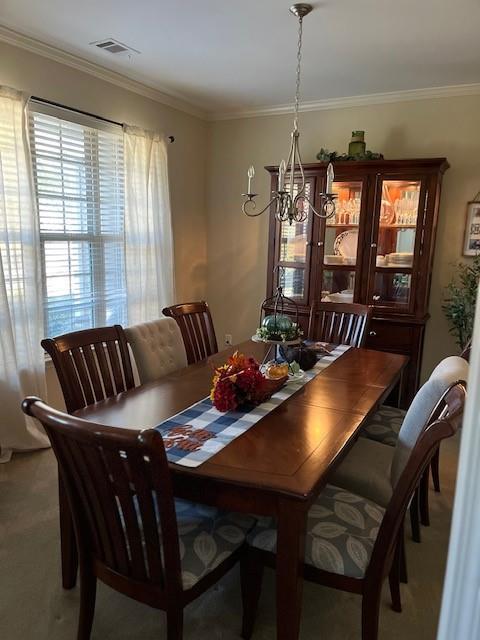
(384, 207)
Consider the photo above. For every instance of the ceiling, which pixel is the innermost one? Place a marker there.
(234, 55)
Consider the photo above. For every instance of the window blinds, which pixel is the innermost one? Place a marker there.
(79, 181)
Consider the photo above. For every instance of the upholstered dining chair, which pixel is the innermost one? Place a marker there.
(132, 535)
(339, 323)
(157, 347)
(195, 322)
(369, 467)
(91, 365)
(351, 542)
(385, 424)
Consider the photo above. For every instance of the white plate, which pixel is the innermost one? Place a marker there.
(296, 377)
(287, 343)
(346, 244)
(340, 297)
(333, 259)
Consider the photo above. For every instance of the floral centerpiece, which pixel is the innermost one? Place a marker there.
(239, 383)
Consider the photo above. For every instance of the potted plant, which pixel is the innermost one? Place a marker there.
(460, 301)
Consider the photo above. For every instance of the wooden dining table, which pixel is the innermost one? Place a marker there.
(280, 465)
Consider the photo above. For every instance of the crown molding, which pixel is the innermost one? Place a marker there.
(353, 101)
(176, 101)
(169, 98)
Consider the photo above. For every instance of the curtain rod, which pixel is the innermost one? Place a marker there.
(84, 113)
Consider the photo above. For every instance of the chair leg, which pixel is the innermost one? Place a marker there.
(435, 464)
(370, 613)
(394, 580)
(68, 544)
(402, 555)
(88, 592)
(415, 517)
(424, 509)
(175, 623)
(251, 572)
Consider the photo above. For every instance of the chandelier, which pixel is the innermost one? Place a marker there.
(290, 200)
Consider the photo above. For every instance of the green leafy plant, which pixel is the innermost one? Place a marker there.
(459, 304)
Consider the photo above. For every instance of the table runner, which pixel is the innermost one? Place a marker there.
(199, 432)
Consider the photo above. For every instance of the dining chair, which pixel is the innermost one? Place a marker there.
(339, 323)
(91, 365)
(157, 347)
(352, 543)
(196, 325)
(368, 467)
(132, 535)
(385, 424)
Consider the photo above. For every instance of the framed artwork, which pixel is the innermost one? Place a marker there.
(471, 245)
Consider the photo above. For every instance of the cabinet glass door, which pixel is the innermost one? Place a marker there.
(341, 243)
(396, 243)
(293, 253)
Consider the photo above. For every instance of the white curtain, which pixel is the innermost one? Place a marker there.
(22, 363)
(148, 226)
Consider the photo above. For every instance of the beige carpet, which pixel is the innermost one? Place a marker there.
(34, 607)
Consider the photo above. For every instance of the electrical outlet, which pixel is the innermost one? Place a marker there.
(228, 338)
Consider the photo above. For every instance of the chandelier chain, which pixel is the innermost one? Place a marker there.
(299, 62)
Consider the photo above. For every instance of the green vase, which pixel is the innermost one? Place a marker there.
(357, 145)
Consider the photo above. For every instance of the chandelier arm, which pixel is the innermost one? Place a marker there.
(258, 213)
(325, 215)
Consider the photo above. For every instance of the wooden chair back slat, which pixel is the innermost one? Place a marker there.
(83, 375)
(147, 513)
(125, 496)
(91, 365)
(339, 323)
(195, 322)
(93, 372)
(116, 366)
(104, 370)
(120, 493)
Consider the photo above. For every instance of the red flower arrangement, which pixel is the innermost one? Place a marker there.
(240, 383)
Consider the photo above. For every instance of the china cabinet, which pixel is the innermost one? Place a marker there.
(376, 250)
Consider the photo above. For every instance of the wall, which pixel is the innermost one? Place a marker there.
(237, 245)
(44, 78)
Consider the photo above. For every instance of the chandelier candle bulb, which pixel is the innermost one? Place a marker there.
(330, 179)
(250, 174)
(281, 175)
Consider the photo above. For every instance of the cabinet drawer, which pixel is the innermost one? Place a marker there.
(385, 336)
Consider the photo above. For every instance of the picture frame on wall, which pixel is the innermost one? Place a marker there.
(471, 244)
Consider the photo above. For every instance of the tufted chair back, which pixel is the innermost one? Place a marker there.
(157, 347)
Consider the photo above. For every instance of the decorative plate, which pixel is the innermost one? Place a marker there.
(346, 243)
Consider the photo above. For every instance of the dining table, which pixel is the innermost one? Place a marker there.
(280, 465)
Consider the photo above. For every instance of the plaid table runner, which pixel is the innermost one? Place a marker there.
(196, 434)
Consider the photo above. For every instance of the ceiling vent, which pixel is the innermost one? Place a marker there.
(115, 47)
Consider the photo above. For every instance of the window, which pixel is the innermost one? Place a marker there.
(79, 179)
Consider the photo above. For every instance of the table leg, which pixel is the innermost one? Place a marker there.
(68, 543)
(289, 567)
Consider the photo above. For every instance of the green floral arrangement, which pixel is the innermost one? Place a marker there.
(324, 155)
(460, 301)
